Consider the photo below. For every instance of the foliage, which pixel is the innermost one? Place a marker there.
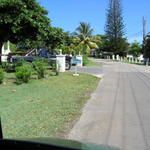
(85, 60)
(103, 44)
(8, 67)
(83, 30)
(135, 49)
(23, 73)
(13, 47)
(21, 20)
(65, 49)
(83, 38)
(55, 38)
(58, 37)
(114, 28)
(40, 66)
(118, 46)
(1, 75)
(147, 47)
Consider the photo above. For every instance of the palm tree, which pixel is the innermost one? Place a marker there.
(84, 30)
(84, 37)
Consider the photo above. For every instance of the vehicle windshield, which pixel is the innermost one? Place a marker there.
(75, 74)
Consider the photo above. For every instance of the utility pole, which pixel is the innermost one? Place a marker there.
(144, 30)
(144, 36)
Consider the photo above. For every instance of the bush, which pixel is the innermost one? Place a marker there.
(85, 60)
(19, 62)
(40, 66)
(23, 73)
(1, 75)
(98, 56)
(8, 67)
(55, 67)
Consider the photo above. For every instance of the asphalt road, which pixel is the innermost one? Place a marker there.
(118, 113)
(94, 70)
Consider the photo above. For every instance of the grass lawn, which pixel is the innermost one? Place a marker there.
(91, 63)
(43, 108)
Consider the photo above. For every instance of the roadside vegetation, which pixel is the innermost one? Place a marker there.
(92, 64)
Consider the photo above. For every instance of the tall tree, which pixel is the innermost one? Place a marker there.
(114, 27)
(21, 20)
(135, 49)
(84, 38)
(147, 47)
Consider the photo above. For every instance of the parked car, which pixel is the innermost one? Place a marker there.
(35, 54)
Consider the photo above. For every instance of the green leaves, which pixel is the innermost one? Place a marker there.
(23, 73)
(21, 20)
(146, 48)
(114, 28)
(84, 39)
(84, 30)
(1, 75)
(135, 49)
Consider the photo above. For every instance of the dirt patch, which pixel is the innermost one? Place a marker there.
(63, 134)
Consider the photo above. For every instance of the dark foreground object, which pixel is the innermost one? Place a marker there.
(49, 144)
(46, 144)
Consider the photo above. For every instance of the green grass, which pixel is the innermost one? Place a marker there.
(135, 63)
(43, 108)
(125, 61)
(91, 63)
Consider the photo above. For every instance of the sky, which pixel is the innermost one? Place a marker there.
(67, 14)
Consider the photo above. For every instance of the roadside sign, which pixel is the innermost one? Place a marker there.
(76, 61)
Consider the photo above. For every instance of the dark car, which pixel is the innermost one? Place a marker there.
(36, 54)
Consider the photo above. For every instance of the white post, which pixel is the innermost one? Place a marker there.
(132, 60)
(147, 61)
(139, 61)
(61, 63)
(117, 57)
(5, 52)
(79, 57)
(113, 57)
(136, 60)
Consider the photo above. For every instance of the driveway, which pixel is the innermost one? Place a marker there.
(93, 70)
(118, 113)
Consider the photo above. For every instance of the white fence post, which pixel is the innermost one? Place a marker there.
(79, 57)
(61, 63)
(118, 57)
(113, 57)
(5, 52)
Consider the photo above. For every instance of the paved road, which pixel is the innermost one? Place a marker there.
(118, 113)
(94, 70)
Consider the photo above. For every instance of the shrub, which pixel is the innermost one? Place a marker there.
(1, 75)
(19, 62)
(23, 73)
(40, 66)
(8, 67)
(85, 60)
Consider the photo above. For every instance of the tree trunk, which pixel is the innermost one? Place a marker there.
(1, 44)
